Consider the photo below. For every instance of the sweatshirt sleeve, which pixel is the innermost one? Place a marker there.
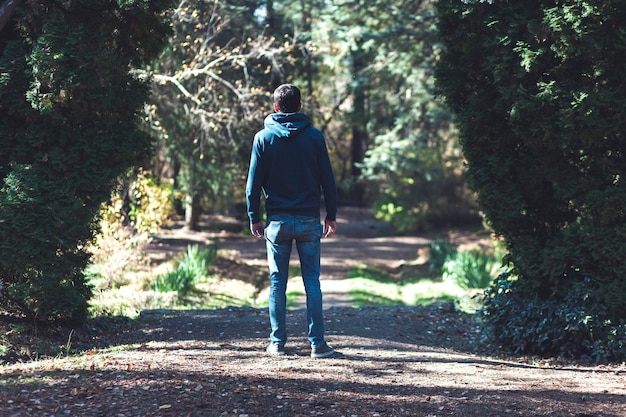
(327, 180)
(254, 183)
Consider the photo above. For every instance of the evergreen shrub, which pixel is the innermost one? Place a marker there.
(68, 128)
(537, 91)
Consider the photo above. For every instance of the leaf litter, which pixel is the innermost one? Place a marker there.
(391, 361)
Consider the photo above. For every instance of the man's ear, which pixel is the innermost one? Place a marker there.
(299, 106)
(276, 109)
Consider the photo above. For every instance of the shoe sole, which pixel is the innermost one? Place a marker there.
(322, 355)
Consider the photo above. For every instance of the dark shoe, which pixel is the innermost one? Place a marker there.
(323, 351)
(275, 349)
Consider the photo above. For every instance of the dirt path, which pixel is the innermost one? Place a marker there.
(339, 255)
(391, 361)
(360, 240)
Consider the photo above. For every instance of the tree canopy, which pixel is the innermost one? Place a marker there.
(211, 87)
(368, 83)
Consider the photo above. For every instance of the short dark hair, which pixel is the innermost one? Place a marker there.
(287, 98)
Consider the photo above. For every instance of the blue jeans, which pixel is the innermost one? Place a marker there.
(280, 232)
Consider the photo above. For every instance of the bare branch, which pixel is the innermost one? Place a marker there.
(162, 78)
(207, 70)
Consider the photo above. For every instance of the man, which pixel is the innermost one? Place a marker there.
(289, 163)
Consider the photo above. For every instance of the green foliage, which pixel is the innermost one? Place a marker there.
(190, 270)
(576, 325)
(536, 89)
(68, 129)
(439, 252)
(210, 94)
(471, 269)
(138, 207)
(381, 57)
(147, 203)
(468, 269)
(366, 72)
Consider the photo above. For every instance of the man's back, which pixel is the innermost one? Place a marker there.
(290, 163)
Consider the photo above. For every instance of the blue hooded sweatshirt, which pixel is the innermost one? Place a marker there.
(289, 163)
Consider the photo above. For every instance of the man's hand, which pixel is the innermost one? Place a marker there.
(330, 227)
(257, 229)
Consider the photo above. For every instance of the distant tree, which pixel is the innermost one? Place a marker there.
(538, 91)
(212, 90)
(68, 127)
(346, 35)
(414, 158)
(375, 84)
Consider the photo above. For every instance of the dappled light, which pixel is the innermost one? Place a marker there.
(473, 150)
(392, 361)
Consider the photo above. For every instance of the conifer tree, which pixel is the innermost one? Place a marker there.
(68, 127)
(538, 91)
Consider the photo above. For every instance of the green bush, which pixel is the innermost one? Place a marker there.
(529, 324)
(467, 269)
(536, 87)
(190, 270)
(150, 202)
(41, 257)
(68, 128)
(138, 207)
(439, 252)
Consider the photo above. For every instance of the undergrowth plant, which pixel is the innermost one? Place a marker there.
(471, 269)
(138, 206)
(192, 268)
(468, 269)
(439, 252)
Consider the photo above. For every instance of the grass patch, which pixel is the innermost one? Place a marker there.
(368, 292)
(372, 287)
(199, 278)
(208, 293)
(372, 273)
(218, 292)
(204, 278)
(129, 301)
(193, 267)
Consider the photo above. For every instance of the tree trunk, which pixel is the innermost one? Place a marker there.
(358, 146)
(307, 19)
(192, 212)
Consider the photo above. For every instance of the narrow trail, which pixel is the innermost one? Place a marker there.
(422, 361)
(360, 241)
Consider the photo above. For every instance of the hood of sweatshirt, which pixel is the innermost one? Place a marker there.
(287, 125)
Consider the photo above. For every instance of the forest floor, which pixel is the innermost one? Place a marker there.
(390, 361)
